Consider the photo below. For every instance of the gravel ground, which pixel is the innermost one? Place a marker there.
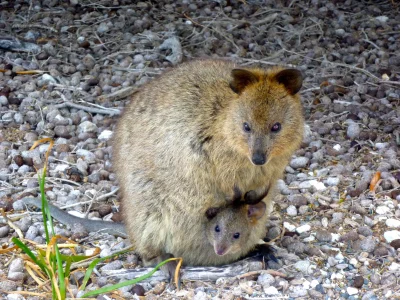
(338, 237)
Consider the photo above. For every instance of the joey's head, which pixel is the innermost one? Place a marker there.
(265, 117)
(228, 228)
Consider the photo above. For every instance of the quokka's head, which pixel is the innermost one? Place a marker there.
(265, 117)
(229, 228)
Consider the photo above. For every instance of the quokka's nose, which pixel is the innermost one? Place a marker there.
(258, 159)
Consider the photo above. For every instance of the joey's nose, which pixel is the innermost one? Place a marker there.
(258, 158)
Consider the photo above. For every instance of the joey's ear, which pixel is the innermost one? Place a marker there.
(292, 79)
(256, 210)
(212, 212)
(242, 78)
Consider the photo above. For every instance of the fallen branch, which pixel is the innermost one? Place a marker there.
(120, 94)
(193, 273)
(93, 110)
(14, 44)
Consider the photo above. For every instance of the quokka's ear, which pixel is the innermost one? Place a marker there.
(241, 78)
(256, 210)
(292, 79)
(212, 212)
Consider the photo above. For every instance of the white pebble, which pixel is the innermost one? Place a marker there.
(352, 290)
(306, 284)
(381, 210)
(319, 186)
(380, 146)
(382, 19)
(105, 135)
(48, 79)
(61, 168)
(304, 266)
(309, 239)
(394, 266)
(339, 257)
(335, 237)
(337, 276)
(324, 222)
(353, 261)
(291, 211)
(314, 283)
(337, 147)
(289, 226)
(332, 181)
(393, 223)
(303, 228)
(271, 290)
(391, 235)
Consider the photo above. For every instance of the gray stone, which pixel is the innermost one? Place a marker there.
(62, 131)
(353, 131)
(368, 244)
(88, 156)
(32, 233)
(266, 280)
(87, 126)
(114, 265)
(3, 100)
(323, 236)
(332, 181)
(298, 291)
(365, 231)
(17, 265)
(19, 118)
(4, 230)
(299, 162)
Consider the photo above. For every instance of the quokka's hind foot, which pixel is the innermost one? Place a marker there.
(264, 252)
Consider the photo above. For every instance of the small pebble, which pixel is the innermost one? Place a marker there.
(393, 223)
(353, 131)
(323, 236)
(381, 210)
(291, 211)
(395, 243)
(265, 280)
(303, 228)
(391, 235)
(271, 291)
(352, 291)
(299, 162)
(304, 266)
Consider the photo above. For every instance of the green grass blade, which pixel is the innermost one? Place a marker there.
(67, 269)
(125, 283)
(95, 262)
(28, 252)
(61, 277)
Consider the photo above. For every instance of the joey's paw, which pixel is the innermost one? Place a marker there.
(251, 197)
(264, 252)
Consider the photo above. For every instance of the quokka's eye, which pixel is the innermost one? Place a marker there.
(217, 229)
(236, 235)
(276, 127)
(246, 127)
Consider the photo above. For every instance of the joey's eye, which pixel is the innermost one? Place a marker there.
(276, 127)
(246, 127)
(217, 229)
(236, 235)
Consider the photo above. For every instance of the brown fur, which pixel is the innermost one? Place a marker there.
(180, 147)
